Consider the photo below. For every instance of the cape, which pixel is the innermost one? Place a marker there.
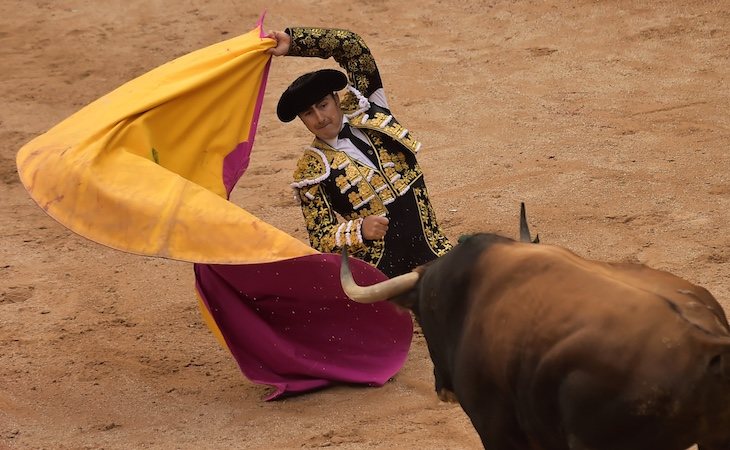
(149, 168)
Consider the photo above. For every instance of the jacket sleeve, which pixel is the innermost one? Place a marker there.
(326, 234)
(346, 47)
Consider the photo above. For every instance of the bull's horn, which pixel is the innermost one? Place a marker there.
(376, 292)
(524, 229)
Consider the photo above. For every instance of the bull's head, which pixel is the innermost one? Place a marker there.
(402, 284)
(440, 284)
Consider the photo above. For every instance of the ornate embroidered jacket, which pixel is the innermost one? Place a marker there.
(329, 182)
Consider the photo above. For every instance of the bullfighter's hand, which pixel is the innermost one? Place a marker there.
(283, 41)
(374, 227)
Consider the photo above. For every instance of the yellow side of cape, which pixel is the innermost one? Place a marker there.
(141, 169)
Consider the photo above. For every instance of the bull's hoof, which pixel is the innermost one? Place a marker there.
(447, 396)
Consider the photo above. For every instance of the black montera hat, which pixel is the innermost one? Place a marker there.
(307, 90)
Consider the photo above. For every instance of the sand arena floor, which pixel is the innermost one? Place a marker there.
(609, 119)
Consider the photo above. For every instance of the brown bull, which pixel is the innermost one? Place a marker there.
(546, 350)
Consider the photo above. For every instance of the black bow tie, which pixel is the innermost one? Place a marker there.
(356, 141)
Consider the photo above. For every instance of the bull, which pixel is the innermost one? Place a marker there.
(546, 350)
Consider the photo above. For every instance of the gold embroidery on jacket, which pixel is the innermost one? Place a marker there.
(387, 125)
(435, 237)
(312, 168)
(320, 221)
(322, 226)
(346, 47)
(398, 173)
(353, 174)
(342, 183)
(356, 180)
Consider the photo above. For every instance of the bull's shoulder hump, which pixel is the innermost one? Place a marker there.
(531, 254)
(552, 261)
(636, 277)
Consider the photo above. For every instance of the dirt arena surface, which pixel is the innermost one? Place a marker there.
(608, 118)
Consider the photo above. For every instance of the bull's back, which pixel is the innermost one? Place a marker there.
(541, 283)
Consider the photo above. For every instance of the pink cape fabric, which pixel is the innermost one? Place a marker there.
(289, 325)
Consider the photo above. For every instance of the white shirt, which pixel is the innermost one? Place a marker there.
(345, 145)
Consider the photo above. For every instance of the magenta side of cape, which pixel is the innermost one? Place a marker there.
(236, 162)
(289, 325)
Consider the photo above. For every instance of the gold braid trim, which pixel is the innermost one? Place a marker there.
(387, 124)
(312, 168)
(365, 188)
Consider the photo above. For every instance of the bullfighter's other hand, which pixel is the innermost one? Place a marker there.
(374, 227)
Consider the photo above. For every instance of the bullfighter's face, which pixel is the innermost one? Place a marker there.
(324, 118)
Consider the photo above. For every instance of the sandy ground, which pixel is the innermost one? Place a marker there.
(609, 119)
